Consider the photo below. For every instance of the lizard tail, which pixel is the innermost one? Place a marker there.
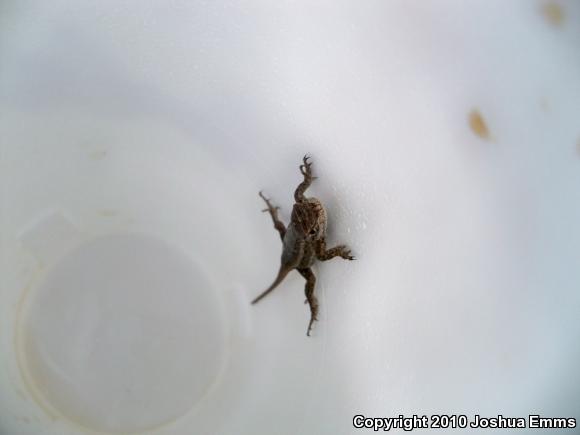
(281, 275)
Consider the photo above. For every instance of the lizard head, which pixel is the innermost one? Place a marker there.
(309, 218)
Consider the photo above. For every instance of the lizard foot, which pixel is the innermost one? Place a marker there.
(306, 168)
(270, 208)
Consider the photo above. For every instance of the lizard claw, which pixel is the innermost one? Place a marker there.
(312, 320)
(305, 167)
(267, 200)
(346, 255)
(270, 208)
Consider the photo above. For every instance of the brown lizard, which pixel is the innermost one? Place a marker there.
(304, 241)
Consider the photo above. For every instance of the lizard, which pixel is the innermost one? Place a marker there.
(304, 240)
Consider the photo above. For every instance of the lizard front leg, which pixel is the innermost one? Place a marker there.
(278, 224)
(310, 298)
(324, 254)
(306, 170)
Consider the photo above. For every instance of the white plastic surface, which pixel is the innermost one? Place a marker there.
(135, 137)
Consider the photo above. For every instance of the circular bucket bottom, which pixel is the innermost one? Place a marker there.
(125, 333)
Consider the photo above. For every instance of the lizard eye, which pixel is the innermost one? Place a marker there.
(312, 231)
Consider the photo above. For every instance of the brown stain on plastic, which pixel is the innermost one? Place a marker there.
(554, 14)
(24, 419)
(98, 155)
(478, 125)
(544, 105)
(107, 212)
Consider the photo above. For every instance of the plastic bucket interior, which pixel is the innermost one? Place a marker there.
(135, 137)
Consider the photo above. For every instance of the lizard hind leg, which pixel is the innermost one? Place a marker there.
(310, 298)
(278, 224)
